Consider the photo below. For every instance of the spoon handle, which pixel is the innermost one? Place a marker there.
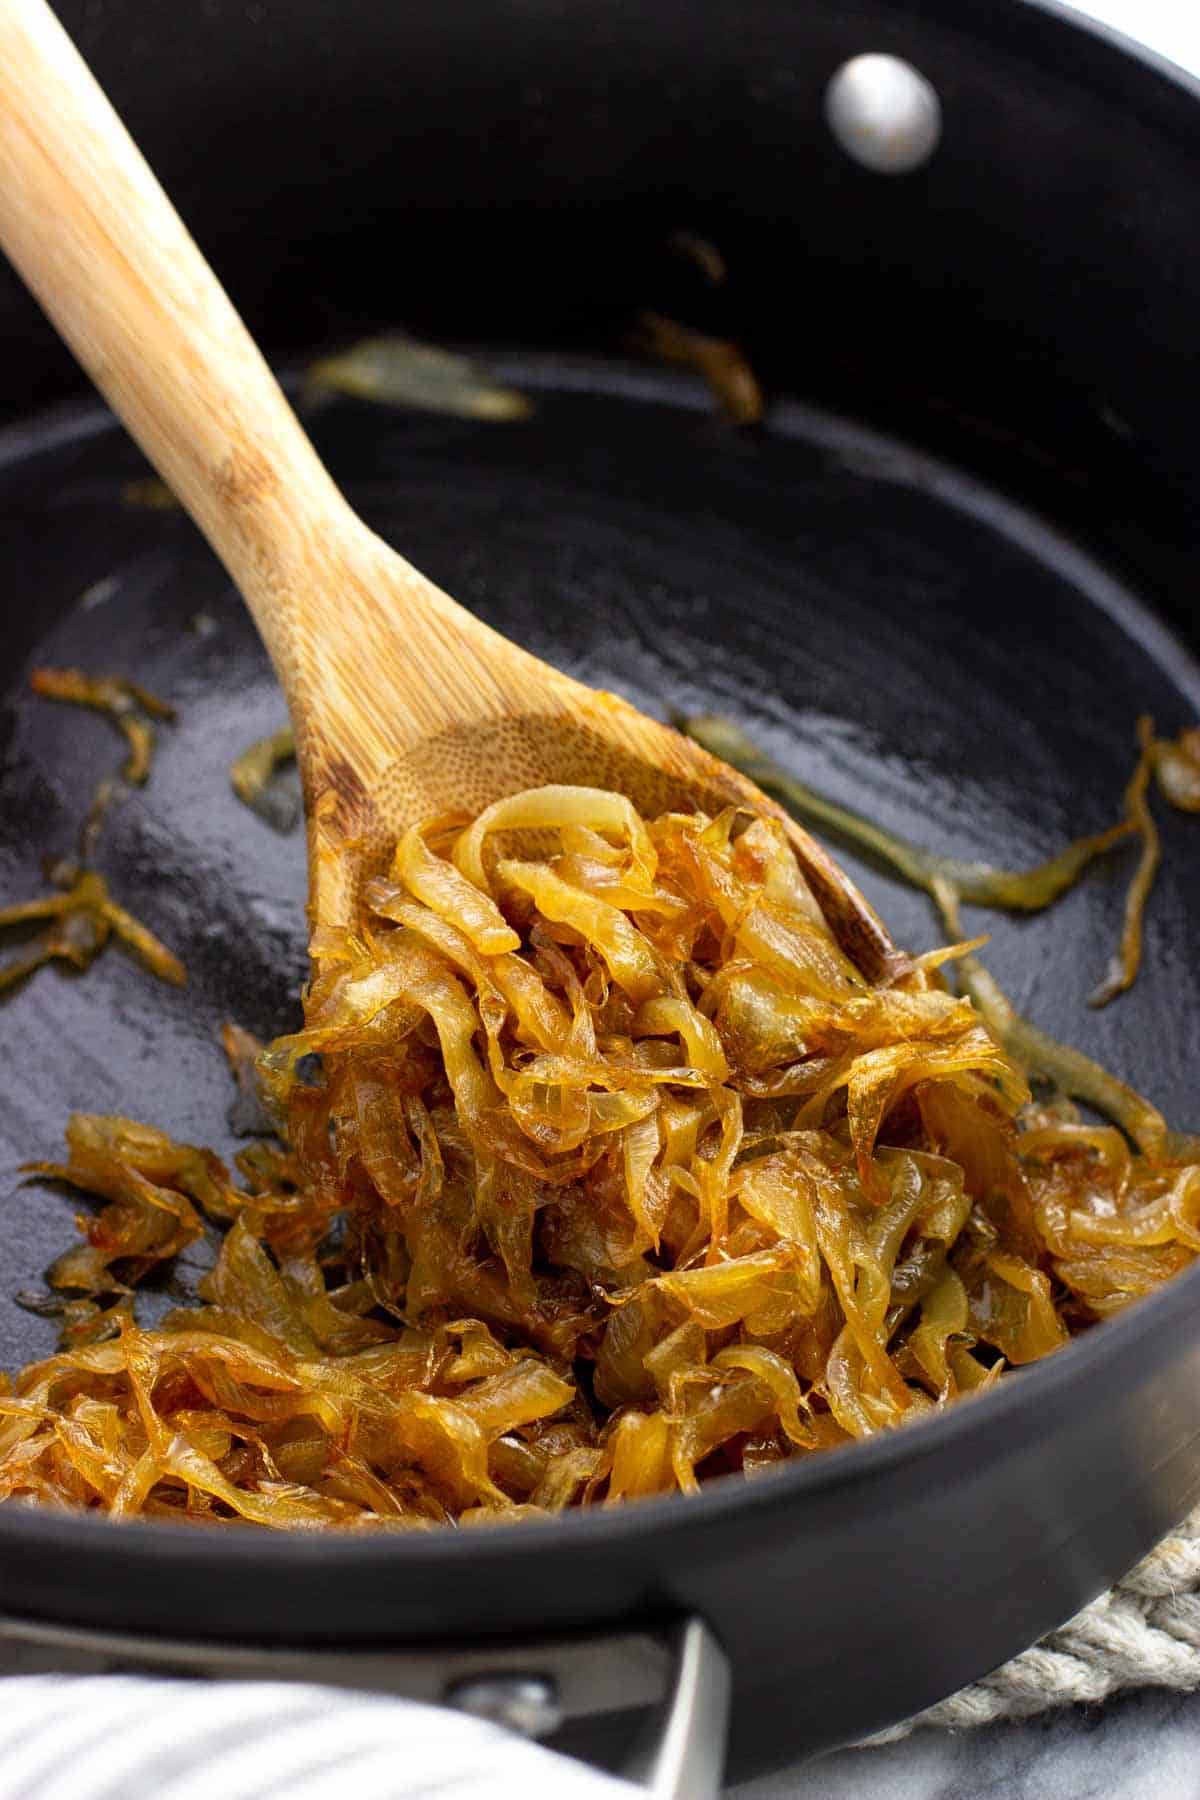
(94, 236)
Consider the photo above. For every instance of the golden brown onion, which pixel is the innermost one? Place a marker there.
(603, 1171)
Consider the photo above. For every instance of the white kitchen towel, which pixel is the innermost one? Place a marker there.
(133, 1737)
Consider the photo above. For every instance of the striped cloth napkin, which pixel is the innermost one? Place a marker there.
(133, 1737)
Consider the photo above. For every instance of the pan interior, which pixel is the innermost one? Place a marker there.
(911, 643)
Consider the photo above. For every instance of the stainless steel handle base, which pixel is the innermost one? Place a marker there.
(681, 1674)
(685, 1757)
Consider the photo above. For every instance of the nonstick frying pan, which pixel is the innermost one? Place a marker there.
(941, 583)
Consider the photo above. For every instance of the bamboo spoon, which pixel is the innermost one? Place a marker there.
(403, 704)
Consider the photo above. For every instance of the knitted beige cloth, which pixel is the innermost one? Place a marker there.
(1145, 1632)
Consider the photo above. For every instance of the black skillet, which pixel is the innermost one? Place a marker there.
(940, 584)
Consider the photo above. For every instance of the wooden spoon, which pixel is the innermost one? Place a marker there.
(404, 705)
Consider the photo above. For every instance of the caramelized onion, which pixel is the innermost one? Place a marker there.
(602, 1172)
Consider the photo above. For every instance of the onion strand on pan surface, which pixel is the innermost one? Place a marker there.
(978, 883)
(1177, 766)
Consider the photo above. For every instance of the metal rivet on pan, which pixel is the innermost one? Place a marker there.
(527, 1704)
(884, 114)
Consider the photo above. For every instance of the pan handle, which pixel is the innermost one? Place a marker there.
(680, 1673)
(683, 1756)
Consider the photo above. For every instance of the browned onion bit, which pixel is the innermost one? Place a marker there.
(253, 776)
(83, 916)
(1177, 766)
(721, 363)
(81, 919)
(130, 706)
